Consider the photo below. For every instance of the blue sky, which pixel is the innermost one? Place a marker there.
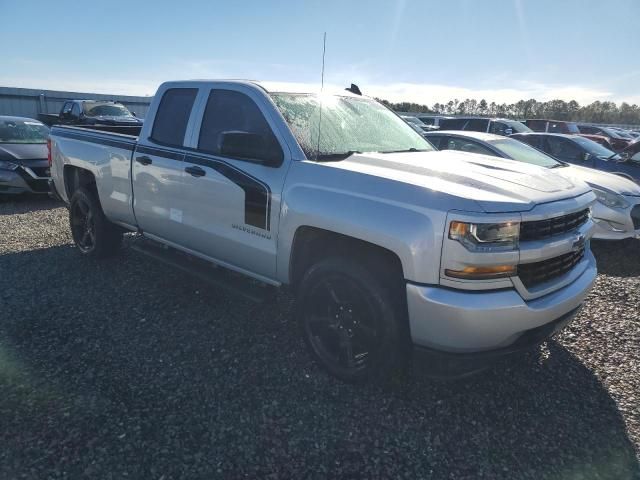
(426, 51)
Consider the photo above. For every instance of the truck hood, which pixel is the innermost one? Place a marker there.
(494, 184)
(599, 179)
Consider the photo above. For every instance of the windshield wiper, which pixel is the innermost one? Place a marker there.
(335, 157)
(405, 150)
(558, 165)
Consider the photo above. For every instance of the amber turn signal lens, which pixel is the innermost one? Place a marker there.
(483, 273)
(458, 229)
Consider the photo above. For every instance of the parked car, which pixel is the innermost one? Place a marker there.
(631, 153)
(617, 212)
(616, 139)
(93, 112)
(432, 121)
(582, 151)
(560, 126)
(498, 126)
(23, 156)
(385, 242)
(415, 123)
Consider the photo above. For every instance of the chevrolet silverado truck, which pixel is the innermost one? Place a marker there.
(389, 246)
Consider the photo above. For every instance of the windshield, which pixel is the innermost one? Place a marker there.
(22, 131)
(349, 124)
(524, 153)
(94, 109)
(594, 148)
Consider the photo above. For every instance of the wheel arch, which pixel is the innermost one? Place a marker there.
(313, 243)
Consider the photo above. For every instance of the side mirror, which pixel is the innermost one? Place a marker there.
(251, 146)
(625, 157)
(133, 113)
(585, 156)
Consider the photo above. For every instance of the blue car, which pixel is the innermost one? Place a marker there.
(582, 151)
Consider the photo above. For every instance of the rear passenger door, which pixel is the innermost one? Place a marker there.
(233, 180)
(158, 167)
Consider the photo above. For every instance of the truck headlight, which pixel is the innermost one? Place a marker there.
(4, 165)
(610, 199)
(485, 237)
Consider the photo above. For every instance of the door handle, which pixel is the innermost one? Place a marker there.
(195, 171)
(144, 160)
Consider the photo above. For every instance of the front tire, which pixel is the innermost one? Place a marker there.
(93, 234)
(350, 321)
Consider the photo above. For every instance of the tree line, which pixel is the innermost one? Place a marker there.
(596, 112)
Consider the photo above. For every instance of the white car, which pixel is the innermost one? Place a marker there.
(617, 211)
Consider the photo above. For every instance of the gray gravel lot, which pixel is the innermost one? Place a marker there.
(127, 369)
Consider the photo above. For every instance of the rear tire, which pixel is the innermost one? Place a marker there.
(93, 234)
(350, 321)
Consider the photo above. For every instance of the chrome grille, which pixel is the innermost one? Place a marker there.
(541, 229)
(532, 274)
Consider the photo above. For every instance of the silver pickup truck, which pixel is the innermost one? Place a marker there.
(389, 246)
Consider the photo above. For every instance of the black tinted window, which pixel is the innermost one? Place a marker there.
(563, 149)
(234, 126)
(477, 125)
(433, 140)
(170, 123)
(452, 123)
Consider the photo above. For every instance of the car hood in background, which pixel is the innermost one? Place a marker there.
(599, 179)
(496, 184)
(17, 152)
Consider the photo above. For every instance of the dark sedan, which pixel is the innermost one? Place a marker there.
(582, 151)
(23, 156)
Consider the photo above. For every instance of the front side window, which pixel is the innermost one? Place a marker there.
(233, 126)
(524, 153)
(170, 123)
(22, 131)
(563, 149)
(349, 124)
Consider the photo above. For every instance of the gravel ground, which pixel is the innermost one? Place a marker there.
(128, 369)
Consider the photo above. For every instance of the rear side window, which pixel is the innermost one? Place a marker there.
(537, 125)
(477, 125)
(170, 123)
(465, 145)
(452, 123)
(230, 113)
(434, 140)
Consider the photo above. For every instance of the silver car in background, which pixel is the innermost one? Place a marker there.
(617, 211)
(24, 167)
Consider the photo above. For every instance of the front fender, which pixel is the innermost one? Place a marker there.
(413, 234)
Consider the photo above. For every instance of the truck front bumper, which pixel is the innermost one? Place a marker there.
(489, 323)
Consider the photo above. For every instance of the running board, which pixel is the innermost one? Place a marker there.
(215, 275)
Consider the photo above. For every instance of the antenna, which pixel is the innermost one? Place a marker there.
(324, 50)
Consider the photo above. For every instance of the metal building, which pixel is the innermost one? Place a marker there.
(28, 102)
